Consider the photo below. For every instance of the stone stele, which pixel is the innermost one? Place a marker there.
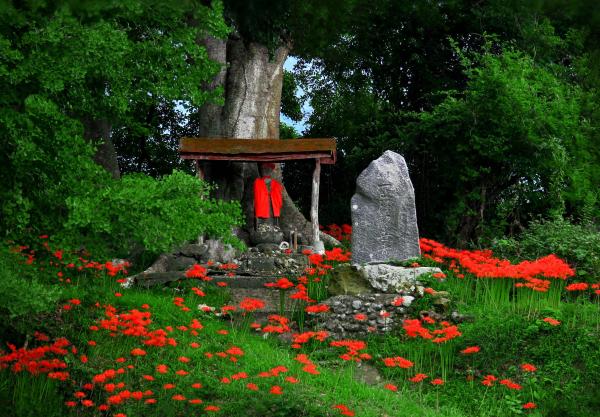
(384, 217)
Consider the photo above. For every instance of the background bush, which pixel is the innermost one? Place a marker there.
(139, 212)
(578, 244)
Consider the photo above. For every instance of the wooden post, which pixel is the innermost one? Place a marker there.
(199, 170)
(200, 175)
(314, 204)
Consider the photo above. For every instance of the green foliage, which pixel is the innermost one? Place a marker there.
(491, 141)
(65, 65)
(22, 293)
(291, 105)
(140, 211)
(578, 244)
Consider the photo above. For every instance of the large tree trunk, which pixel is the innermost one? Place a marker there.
(252, 80)
(98, 133)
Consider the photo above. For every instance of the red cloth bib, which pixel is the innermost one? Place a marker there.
(262, 199)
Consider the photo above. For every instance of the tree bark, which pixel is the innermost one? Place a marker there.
(252, 79)
(98, 133)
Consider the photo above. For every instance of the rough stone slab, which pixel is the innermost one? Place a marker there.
(390, 278)
(384, 217)
(346, 279)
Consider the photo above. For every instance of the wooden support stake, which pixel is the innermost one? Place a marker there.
(200, 175)
(314, 202)
(199, 170)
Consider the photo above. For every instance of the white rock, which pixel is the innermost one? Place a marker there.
(390, 278)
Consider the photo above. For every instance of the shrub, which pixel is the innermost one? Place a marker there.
(578, 244)
(140, 211)
(21, 293)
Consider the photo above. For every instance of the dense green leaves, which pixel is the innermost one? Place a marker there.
(66, 65)
(490, 105)
(138, 213)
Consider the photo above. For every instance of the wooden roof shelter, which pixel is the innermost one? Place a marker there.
(323, 151)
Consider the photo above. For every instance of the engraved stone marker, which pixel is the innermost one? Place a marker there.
(384, 217)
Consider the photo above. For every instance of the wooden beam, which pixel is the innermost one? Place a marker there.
(325, 158)
(314, 202)
(256, 146)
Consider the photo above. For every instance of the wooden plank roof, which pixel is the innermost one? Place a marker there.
(260, 150)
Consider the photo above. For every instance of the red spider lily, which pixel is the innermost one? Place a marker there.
(239, 375)
(251, 304)
(299, 339)
(211, 408)
(353, 347)
(292, 380)
(551, 321)
(344, 410)
(34, 360)
(197, 271)
(277, 324)
(437, 381)
(168, 386)
(418, 378)
(398, 361)
(162, 369)
(198, 292)
(281, 283)
(510, 384)
(527, 367)
(577, 286)
(482, 264)
(138, 352)
(317, 308)
(276, 390)
(489, 380)
(251, 386)
(360, 317)
(529, 406)
(391, 387)
(309, 366)
(470, 349)
(398, 301)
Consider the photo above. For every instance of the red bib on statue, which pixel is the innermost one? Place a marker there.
(263, 198)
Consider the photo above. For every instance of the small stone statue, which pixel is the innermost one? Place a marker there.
(267, 207)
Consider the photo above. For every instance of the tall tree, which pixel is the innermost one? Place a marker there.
(251, 77)
(70, 70)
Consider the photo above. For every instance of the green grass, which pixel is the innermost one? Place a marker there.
(314, 395)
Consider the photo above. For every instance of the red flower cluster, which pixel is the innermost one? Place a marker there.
(197, 271)
(414, 328)
(344, 410)
(317, 308)
(353, 348)
(341, 233)
(398, 361)
(309, 366)
(277, 324)
(251, 304)
(482, 264)
(35, 361)
(281, 283)
(301, 338)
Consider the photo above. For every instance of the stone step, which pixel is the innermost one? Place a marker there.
(269, 296)
(236, 281)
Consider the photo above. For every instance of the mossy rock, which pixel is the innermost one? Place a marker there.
(348, 280)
